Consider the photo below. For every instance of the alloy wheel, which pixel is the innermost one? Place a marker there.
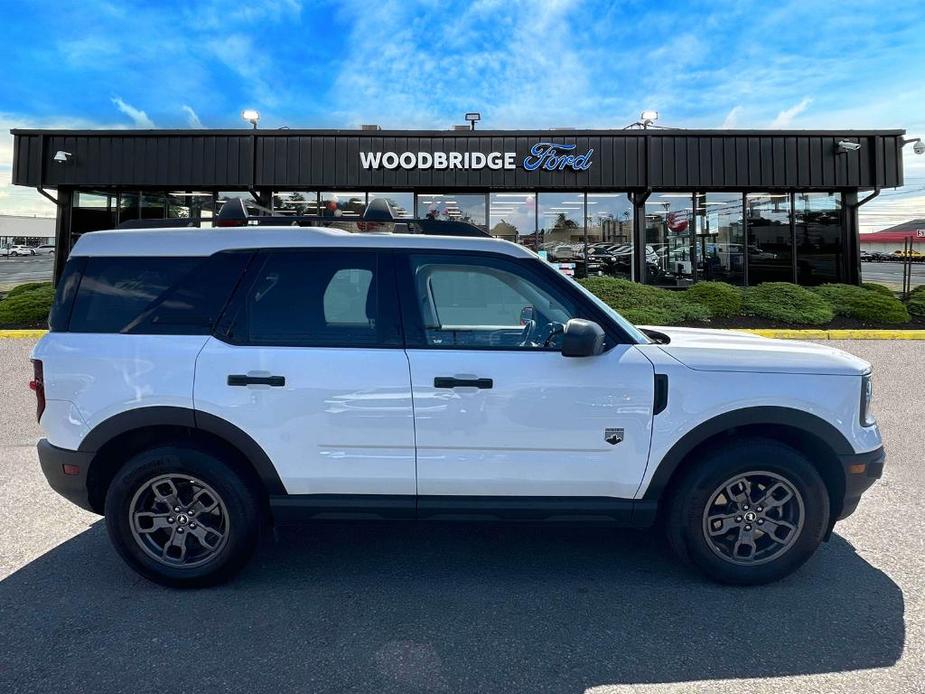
(753, 518)
(179, 520)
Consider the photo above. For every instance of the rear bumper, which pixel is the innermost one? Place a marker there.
(72, 487)
(861, 471)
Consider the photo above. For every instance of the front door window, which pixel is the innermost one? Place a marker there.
(468, 301)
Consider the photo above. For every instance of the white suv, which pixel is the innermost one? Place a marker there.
(198, 384)
(20, 250)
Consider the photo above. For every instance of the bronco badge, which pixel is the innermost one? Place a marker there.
(613, 436)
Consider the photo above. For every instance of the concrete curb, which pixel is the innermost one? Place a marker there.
(20, 334)
(782, 334)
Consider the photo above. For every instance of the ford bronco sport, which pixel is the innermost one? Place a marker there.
(196, 385)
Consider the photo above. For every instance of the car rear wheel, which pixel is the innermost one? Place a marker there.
(181, 516)
(748, 513)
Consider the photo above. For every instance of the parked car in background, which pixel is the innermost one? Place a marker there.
(45, 249)
(19, 250)
(914, 255)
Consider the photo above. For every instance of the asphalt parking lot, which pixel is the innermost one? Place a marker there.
(891, 274)
(463, 608)
(30, 268)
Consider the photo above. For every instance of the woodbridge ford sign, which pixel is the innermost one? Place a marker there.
(548, 156)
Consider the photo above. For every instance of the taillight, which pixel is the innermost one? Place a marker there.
(38, 385)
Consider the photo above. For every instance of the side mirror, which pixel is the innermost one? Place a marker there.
(582, 338)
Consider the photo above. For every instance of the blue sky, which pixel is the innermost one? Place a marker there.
(800, 64)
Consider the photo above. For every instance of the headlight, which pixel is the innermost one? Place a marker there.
(867, 394)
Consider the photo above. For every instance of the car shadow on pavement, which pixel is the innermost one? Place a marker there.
(437, 607)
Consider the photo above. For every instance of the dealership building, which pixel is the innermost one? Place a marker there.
(678, 205)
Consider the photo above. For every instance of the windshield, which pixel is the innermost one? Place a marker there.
(630, 329)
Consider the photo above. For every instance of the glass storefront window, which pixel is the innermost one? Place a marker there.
(340, 204)
(610, 234)
(561, 221)
(770, 243)
(128, 206)
(189, 205)
(295, 202)
(819, 246)
(254, 208)
(513, 217)
(464, 207)
(720, 237)
(153, 206)
(402, 203)
(669, 236)
(178, 206)
(92, 212)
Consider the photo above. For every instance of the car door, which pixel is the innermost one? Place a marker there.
(498, 411)
(309, 363)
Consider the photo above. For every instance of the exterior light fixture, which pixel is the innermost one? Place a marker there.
(251, 116)
(62, 157)
(845, 146)
(473, 118)
(918, 147)
(648, 118)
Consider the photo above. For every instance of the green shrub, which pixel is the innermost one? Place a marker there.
(787, 303)
(879, 288)
(863, 304)
(918, 292)
(722, 299)
(646, 305)
(27, 287)
(27, 307)
(916, 306)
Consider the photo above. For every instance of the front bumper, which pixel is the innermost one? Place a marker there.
(861, 471)
(72, 487)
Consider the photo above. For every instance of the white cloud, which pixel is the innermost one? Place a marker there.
(139, 118)
(250, 62)
(191, 117)
(785, 117)
(732, 118)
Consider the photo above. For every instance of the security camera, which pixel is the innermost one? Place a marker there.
(62, 157)
(845, 146)
(919, 147)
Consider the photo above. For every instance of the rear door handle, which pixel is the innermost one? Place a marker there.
(450, 382)
(245, 380)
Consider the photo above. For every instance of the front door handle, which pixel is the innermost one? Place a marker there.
(450, 382)
(245, 380)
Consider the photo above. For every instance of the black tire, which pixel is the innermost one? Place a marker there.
(762, 462)
(236, 514)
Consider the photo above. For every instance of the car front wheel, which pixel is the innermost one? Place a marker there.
(181, 516)
(748, 513)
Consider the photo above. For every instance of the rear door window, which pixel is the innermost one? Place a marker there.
(313, 298)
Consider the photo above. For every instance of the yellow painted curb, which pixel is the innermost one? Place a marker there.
(18, 334)
(815, 334)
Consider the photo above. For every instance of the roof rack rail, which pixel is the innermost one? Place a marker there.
(377, 217)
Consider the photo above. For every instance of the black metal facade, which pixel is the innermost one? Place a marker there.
(630, 160)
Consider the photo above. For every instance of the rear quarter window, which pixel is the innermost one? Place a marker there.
(154, 295)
